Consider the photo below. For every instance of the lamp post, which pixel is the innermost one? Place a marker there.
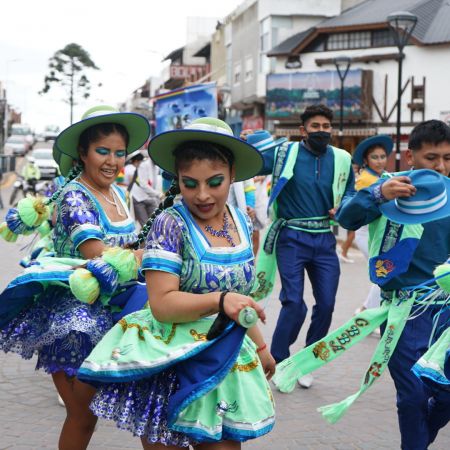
(342, 64)
(402, 24)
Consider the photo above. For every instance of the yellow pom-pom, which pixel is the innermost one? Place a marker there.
(7, 234)
(33, 211)
(123, 261)
(442, 272)
(84, 286)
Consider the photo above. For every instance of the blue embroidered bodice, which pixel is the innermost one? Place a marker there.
(177, 245)
(80, 217)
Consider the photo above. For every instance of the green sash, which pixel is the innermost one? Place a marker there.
(336, 343)
(285, 160)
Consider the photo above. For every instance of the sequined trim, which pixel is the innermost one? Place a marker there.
(246, 367)
(125, 325)
(198, 336)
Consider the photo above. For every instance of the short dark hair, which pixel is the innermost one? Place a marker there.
(432, 132)
(316, 110)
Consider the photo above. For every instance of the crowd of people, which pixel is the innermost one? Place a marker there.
(157, 330)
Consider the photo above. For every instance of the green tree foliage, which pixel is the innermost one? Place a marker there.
(67, 68)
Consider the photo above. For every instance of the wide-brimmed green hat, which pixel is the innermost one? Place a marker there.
(247, 160)
(65, 149)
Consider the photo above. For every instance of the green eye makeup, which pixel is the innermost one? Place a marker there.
(190, 184)
(215, 182)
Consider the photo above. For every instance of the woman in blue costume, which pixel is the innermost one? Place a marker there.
(160, 373)
(38, 312)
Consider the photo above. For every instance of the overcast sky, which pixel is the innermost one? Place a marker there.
(126, 40)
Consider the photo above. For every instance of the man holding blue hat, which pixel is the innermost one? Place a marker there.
(409, 232)
(309, 179)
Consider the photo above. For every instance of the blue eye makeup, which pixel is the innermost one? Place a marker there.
(121, 153)
(102, 151)
(216, 181)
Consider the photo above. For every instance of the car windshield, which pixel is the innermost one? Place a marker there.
(15, 141)
(42, 155)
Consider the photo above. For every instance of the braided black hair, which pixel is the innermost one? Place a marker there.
(171, 193)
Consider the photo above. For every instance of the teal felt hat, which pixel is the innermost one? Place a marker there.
(381, 140)
(430, 202)
(65, 149)
(247, 160)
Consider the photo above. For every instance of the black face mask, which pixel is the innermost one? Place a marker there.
(318, 141)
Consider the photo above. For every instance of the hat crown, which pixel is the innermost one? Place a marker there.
(262, 140)
(99, 110)
(431, 193)
(210, 124)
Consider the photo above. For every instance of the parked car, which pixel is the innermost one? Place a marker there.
(51, 132)
(43, 159)
(16, 145)
(21, 129)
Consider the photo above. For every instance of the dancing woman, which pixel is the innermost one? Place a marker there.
(38, 312)
(160, 375)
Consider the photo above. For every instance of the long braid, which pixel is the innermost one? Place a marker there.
(171, 193)
(73, 173)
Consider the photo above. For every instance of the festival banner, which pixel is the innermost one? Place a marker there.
(176, 109)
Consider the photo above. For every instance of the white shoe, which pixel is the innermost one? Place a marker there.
(343, 258)
(306, 381)
(60, 401)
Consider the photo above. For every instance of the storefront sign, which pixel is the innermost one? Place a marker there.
(288, 94)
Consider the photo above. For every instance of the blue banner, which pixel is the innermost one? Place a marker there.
(176, 109)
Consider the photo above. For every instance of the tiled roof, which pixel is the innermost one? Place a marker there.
(432, 25)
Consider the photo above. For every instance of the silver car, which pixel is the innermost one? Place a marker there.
(43, 159)
(16, 145)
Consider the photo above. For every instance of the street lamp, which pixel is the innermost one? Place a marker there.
(342, 64)
(402, 24)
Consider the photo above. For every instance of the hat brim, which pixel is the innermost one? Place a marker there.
(66, 143)
(391, 211)
(382, 140)
(247, 160)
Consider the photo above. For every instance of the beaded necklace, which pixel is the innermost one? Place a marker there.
(223, 233)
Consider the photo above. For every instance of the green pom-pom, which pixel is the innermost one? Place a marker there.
(33, 211)
(7, 234)
(44, 229)
(84, 286)
(443, 271)
(123, 261)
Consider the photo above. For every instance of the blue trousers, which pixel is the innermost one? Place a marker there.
(296, 252)
(422, 412)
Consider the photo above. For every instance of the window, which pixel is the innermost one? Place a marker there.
(264, 43)
(248, 68)
(237, 73)
(382, 38)
(358, 39)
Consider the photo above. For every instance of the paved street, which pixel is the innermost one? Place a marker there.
(30, 417)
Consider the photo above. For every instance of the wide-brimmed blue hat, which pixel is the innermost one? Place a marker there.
(262, 140)
(430, 202)
(382, 140)
(247, 160)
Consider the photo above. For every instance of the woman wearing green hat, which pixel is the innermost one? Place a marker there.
(39, 313)
(163, 373)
